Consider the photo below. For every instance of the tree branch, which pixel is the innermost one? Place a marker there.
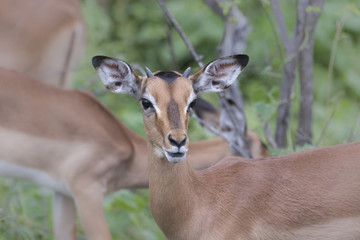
(268, 136)
(278, 45)
(280, 25)
(171, 45)
(181, 32)
(232, 119)
(306, 59)
(300, 24)
(214, 5)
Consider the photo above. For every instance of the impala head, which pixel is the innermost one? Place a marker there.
(168, 97)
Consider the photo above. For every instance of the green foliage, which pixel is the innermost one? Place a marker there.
(136, 32)
(129, 217)
(25, 212)
(260, 81)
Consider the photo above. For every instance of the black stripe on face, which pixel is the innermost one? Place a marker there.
(173, 114)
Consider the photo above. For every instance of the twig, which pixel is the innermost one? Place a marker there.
(327, 124)
(268, 136)
(339, 27)
(181, 33)
(273, 31)
(280, 24)
(171, 45)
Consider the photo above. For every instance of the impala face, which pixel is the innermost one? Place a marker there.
(167, 98)
(166, 112)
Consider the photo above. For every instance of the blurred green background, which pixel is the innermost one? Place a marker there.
(136, 31)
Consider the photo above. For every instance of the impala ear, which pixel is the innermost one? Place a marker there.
(219, 74)
(117, 75)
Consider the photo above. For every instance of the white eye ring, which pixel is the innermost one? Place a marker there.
(152, 101)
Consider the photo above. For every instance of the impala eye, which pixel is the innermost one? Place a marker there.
(146, 104)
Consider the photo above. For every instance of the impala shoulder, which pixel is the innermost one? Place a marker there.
(235, 161)
(232, 167)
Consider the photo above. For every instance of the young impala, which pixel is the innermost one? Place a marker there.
(67, 141)
(313, 194)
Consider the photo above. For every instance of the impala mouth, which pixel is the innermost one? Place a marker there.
(175, 157)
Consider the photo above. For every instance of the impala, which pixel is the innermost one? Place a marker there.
(313, 194)
(67, 141)
(42, 38)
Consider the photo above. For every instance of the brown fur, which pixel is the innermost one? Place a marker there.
(282, 194)
(76, 141)
(313, 194)
(41, 38)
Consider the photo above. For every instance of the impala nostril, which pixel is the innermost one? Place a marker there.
(182, 143)
(172, 140)
(175, 142)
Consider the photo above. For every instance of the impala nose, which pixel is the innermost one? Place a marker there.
(177, 142)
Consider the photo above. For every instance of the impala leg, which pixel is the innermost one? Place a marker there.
(64, 214)
(89, 203)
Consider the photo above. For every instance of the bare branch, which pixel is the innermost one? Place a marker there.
(269, 137)
(323, 131)
(280, 25)
(236, 28)
(214, 5)
(299, 28)
(181, 32)
(305, 41)
(339, 27)
(171, 45)
(232, 120)
(273, 30)
(286, 90)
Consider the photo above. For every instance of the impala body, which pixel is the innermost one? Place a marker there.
(69, 142)
(312, 195)
(42, 38)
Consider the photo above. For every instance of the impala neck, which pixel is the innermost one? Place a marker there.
(172, 187)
